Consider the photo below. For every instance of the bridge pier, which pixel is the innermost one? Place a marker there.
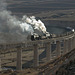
(48, 51)
(19, 59)
(65, 47)
(58, 48)
(73, 41)
(69, 44)
(36, 56)
(0, 64)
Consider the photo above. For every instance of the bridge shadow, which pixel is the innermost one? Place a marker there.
(29, 64)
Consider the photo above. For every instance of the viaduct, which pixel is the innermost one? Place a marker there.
(68, 40)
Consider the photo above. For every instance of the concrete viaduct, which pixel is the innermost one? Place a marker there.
(68, 40)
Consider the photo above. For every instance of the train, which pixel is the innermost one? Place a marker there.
(46, 35)
(36, 36)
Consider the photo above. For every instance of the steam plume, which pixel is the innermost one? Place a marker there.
(11, 25)
(36, 24)
(20, 28)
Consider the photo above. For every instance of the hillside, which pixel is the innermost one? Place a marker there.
(27, 6)
(44, 9)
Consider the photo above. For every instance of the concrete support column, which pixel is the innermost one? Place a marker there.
(4, 50)
(73, 42)
(69, 44)
(48, 51)
(58, 48)
(0, 64)
(36, 56)
(65, 46)
(19, 59)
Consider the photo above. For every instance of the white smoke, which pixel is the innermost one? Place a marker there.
(12, 22)
(3, 5)
(22, 28)
(36, 24)
(11, 27)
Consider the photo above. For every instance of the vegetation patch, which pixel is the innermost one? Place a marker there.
(67, 69)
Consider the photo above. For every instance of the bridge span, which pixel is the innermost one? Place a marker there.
(64, 44)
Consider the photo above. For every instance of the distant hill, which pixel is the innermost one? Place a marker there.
(64, 0)
(31, 6)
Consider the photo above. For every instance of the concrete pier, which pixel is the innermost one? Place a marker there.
(19, 59)
(65, 46)
(73, 41)
(0, 64)
(64, 50)
(36, 56)
(58, 48)
(69, 44)
(48, 51)
(72, 44)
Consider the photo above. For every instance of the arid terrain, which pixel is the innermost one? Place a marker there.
(47, 9)
(51, 12)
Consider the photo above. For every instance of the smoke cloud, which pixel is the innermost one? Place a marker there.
(3, 5)
(13, 29)
(37, 25)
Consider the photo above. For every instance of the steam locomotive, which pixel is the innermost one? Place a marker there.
(46, 35)
(35, 36)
